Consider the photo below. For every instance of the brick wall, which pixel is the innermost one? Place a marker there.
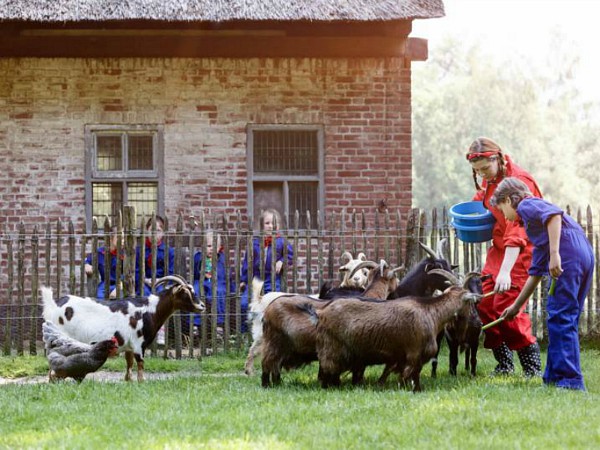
(205, 105)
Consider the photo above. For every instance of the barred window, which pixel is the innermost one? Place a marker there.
(285, 171)
(124, 166)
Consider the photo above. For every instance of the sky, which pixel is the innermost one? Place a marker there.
(523, 27)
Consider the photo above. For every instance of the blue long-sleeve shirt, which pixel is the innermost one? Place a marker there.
(256, 263)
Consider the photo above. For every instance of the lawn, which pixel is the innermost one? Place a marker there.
(212, 404)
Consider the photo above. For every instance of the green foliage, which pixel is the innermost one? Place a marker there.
(219, 407)
(536, 114)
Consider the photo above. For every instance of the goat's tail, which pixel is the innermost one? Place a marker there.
(257, 285)
(48, 303)
(311, 311)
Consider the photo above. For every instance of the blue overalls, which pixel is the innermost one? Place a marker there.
(565, 305)
(101, 264)
(221, 274)
(147, 264)
(280, 255)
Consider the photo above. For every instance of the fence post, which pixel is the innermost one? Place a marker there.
(129, 252)
(330, 252)
(308, 253)
(107, 258)
(412, 232)
(71, 240)
(9, 304)
(21, 290)
(320, 264)
(33, 335)
(590, 297)
(237, 265)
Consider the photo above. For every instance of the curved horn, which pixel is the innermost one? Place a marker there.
(346, 258)
(398, 269)
(382, 266)
(362, 265)
(444, 273)
(468, 278)
(440, 248)
(175, 278)
(429, 251)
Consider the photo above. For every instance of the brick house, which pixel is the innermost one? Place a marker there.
(220, 105)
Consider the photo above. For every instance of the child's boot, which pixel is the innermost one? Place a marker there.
(530, 360)
(504, 356)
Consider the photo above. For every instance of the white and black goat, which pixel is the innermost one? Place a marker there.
(289, 334)
(401, 333)
(134, 322)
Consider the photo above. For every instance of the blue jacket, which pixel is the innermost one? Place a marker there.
(256, 265)
(101, 264)
(160, 265)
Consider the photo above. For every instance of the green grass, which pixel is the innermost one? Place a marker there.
(211, 404)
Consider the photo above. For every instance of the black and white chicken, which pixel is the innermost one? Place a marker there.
(67, 357)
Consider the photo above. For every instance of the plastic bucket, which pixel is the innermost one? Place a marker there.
(472, 222)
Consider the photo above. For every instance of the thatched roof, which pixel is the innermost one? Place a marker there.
(218, 10)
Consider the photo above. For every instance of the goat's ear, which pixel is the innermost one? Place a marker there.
(361, 256)
(429, 267)
(454, 266)
(344, 269)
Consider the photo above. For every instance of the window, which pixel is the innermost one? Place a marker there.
(124, 166)
(285, 171)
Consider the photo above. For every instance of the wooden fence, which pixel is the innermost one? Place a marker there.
(55, 257)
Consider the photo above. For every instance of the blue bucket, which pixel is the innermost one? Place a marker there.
(472, 222)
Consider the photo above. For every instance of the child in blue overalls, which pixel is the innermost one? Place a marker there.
(207, 280)
(563, 250)
(270, 221)
(106, 256)
(161, 254)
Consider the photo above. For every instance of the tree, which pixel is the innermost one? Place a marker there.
(534, 112)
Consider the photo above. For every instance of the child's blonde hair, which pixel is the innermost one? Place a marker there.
(513, 189)
(208, 238)
(276, 218)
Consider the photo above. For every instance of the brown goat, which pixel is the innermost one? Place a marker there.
(353, 334)
(289, 334)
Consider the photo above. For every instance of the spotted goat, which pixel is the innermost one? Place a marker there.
(134, 321)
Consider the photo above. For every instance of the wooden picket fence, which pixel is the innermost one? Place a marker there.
(54, 256)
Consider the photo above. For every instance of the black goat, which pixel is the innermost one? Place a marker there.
(419, 281)
(458, 336)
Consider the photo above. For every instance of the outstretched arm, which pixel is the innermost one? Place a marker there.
(530, 285)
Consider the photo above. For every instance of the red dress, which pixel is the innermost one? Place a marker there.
(516, 333)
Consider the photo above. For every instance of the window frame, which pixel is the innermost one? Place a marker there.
(319, 177)
(93, 175)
